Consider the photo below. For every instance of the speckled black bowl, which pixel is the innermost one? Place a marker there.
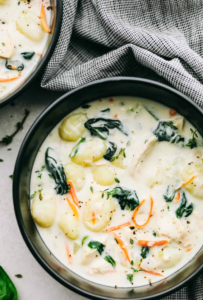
(21, 184)
(57, 10)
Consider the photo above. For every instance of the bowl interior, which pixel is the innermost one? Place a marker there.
(56, 18)
(21, 187)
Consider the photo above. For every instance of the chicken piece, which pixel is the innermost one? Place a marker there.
(6, 45)
(88, 255)
(141, 152)
(100, 266)
(179, 122)
(168, 225)
(149, 264)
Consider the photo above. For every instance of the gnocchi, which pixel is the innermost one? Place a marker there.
(75, 174)
(69, 225)
(103, 175)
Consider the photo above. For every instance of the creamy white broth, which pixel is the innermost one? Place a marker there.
(10, 10)
(160, 166)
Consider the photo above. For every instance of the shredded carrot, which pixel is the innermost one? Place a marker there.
(43, 20)
(188, 250)
(93, 218)
(177, 197)
(69, 255)
(137, 209)
(144, 243)
(73, 194)
(8, 79)
(172, 112)
(111, 99)
(118, 227)
(151, 272)
(39, 54)
(188, 181)
(74, 209)
(122, 246)
(116, 116)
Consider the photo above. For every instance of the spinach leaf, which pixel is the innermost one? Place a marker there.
(110, 151)
(14, 65)
(167, 197)
(86, 106)
(57, 171)
(96, 245)
(192, 142)
(7, 288)
(125, 197)
(105, 110)
(177, 139)
(27, 55)
(76, 148)
(120, 153)
(151, 113)
(183, 208)
(110, 260)
(102, 130)
(165, 131)
(144, 251)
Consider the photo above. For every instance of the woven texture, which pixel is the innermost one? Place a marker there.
(154, 39)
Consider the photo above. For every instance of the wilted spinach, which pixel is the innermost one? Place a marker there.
(144, 251)
(110, 260)
(76, 148)
(192, 142)
(96, 245)
(102, 130)
(110, 151)
(27, 55)
(183, 209)
(14, 65)
(167, 197)
(7, 288)
(125, 197)
(57, 171)
(165, 131)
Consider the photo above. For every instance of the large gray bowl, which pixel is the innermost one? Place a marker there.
(21, 183)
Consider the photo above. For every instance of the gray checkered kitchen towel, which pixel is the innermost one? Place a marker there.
(155, 39)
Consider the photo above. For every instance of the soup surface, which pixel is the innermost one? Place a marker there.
(24, 28)
(116, 191)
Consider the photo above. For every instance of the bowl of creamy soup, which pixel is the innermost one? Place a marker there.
(108, 189)
(28, 34)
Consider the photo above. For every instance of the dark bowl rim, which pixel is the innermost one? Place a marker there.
(44, 60)
(17, 171)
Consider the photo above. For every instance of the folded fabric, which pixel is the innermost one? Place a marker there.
(154, 39)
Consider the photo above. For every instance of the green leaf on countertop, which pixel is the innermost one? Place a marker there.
(7, 288)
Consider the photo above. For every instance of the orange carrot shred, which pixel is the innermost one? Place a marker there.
(122, 246)
(188, 181)
(73, 194)
(137, 209)
(177, 198)
(93, 218)
(188, 250)
(43, 20)
(118, 227)
(8, 79)
(74, 209)
(151, 272)
(144, 243)
(69, 255)
(172, 112)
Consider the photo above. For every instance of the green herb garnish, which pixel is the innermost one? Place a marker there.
(192, 142)
(151, 113)
(91, 189)
(105, 110)
(96, 245)
(18, 276)
(144, 251)
(154, 233)
(110, 260)
(116, 180)
(84, 239)
(14, 65)
(27, 55)
(167, 197)
(131, 241)
(76, 148)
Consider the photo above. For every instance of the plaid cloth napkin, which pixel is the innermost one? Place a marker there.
(154, 39)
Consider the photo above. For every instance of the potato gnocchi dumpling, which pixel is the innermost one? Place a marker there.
(98, 213)
(90, 151)
(43, 211)
(193, 172)
(103, 175)
(69, 225)
(72, 127)
(29, 24)
(167, 257)
(3, 1)
(75, 174)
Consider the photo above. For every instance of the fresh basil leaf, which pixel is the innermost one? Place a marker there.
(189, 210)
(144, 251)
(110, 260)
(102, 130)
(7, 288)
(110, 151)
(96, 245)
(76, 148)
(27, 55)
(183, 209)
(57, 171)
(125, 197)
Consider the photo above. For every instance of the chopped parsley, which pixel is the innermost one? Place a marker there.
(91, 189)
(84, 239)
